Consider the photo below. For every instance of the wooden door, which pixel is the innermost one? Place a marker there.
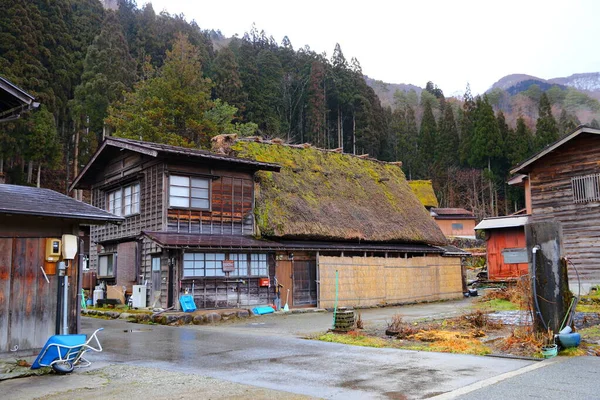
(305, 283)
(300, 277)
(284, 278)
(156, 281)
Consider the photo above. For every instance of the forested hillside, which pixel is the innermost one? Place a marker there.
(137, 74)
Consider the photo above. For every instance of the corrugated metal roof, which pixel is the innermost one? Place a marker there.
(235, 242)
(25, 200)
(503, 222)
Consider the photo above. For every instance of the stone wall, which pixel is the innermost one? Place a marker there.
(373, 281)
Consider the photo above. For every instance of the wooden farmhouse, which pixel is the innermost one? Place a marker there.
(455, 222)
(252, 222)
(506, 246)
(562, 183)
(30, 287)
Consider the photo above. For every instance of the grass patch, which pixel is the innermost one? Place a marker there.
(573, 352)
(496, 305)
(588, 308)
(353, 338)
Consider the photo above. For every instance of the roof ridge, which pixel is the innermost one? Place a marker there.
(306, 145)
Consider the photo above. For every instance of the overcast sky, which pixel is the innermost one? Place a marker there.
(447, 42)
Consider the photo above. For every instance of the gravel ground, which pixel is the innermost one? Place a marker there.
(134, 382)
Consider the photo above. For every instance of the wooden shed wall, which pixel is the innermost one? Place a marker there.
(27, 301)
(498, 240)
(468, 228)
(552, 198)
(371, 281)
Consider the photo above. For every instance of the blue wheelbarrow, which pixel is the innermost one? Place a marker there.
(64, 352)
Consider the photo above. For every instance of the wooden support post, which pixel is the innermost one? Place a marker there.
(549, 277)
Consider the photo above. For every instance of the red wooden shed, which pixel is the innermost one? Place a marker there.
(506, 246)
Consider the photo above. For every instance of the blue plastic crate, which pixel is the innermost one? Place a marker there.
(187, 303)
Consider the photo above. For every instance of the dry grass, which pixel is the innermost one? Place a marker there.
(522, 341)
(401, 329)
(479, 320)
(517, 296)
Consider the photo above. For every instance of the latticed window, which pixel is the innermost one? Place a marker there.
(124, 200)
(189, 192)
(211, 264)
(586, 188)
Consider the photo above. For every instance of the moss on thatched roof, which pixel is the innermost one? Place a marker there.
(424, 192)
(324, 195)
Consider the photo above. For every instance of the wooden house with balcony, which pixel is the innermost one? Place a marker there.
(256, 223)
(562, 183)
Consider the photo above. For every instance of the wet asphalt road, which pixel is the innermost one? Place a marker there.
(265, 356)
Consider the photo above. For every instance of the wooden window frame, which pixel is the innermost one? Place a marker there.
(256, 265)
(457, 226)
(190, 188)
(586, 188)
(113, 258)
(122, 198)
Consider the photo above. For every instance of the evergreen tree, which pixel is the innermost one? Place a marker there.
(567, 122)
(595, 124)
(466, 127)
(426, 142)
(109, 70)
(268, 104)
(174, 106)
(447, 143)
(546, 129)
(316, 107)
(486, 146)
(227, 80)
(519, 143)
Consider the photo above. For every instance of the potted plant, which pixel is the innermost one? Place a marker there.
(549, 347)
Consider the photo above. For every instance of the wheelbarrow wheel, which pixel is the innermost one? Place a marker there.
(63, 367)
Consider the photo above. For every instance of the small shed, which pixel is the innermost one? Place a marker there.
(30, 287)
(455, 222)
(506, 246)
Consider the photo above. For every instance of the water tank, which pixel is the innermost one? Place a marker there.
(138, 296)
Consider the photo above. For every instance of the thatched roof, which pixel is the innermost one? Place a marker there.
(424, 192)
(325, 195)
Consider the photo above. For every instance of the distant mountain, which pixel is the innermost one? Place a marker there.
(385, 91)
(511, 80)
(589, 82)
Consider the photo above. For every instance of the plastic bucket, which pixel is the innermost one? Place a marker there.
(550, 351)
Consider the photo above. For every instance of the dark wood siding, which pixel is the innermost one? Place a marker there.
(552, 197)
(150, 217)
(231, 210)
(27, 301)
